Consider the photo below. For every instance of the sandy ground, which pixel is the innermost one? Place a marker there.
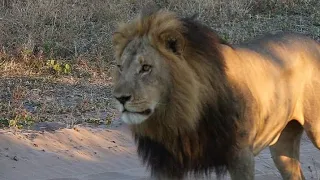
(99, 153)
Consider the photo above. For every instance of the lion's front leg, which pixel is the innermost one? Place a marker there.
(242, 167)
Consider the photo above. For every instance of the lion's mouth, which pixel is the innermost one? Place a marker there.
(145, 112)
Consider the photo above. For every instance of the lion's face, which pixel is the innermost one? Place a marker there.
(141, 81)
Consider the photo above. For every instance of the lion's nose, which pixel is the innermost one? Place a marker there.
(123, 99)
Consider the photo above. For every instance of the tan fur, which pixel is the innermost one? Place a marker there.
(159, 25)
(278, 78)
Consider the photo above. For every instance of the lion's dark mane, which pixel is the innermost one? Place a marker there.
(215, 135)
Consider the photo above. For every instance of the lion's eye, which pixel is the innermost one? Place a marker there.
(145, 68)
(119, 67)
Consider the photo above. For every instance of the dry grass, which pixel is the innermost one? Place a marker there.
(78, 32)
(71, 29)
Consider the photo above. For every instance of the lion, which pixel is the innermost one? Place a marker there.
(197, 105)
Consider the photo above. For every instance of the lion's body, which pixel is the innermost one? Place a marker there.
(279, 77)
(212, 106)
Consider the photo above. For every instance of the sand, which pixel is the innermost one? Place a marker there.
(100, 153)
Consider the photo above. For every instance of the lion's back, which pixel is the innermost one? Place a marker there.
(280, 47)
(285, 53)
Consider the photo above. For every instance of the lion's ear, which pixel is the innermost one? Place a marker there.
(173, 41)
(116, 37)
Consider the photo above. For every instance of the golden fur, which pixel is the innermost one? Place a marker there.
(153, 28)
(214, 106)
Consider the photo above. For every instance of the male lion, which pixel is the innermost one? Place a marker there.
(196, 104)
